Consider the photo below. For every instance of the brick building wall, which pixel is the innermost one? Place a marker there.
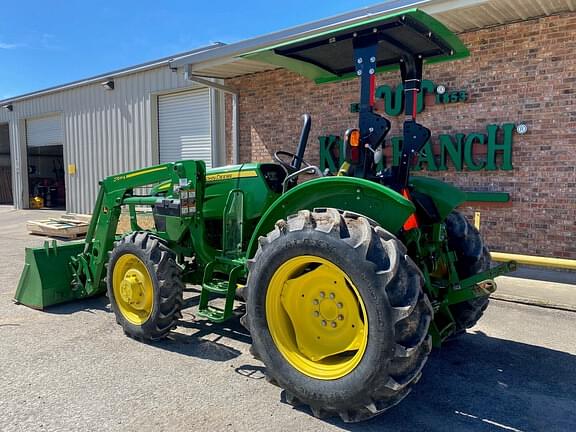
(521, 72)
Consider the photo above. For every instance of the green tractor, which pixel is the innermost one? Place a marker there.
(346, 281)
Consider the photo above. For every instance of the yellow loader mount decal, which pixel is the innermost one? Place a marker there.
(230, 175)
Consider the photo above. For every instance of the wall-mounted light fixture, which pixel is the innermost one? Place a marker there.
(522, 128)
(440, 89)
(8, 107)
(108, 85)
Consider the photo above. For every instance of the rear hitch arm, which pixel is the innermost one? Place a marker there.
(479, 285)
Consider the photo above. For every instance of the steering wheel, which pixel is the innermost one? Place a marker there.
(281, 157)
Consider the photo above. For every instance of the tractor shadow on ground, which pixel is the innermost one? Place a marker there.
(475, 383)
(480, 383)
(208, 340)
(89, 305)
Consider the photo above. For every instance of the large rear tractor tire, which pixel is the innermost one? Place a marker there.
(473, 257)
(144, 286)
(337, 314)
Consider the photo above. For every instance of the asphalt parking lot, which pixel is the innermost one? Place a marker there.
(72, 369)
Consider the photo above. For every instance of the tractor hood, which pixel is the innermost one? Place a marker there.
(328, 56)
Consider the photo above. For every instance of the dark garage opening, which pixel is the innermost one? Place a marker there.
(46, 177)
(5, 166)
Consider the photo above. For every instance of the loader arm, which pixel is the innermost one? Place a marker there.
(57, 273)
(117, 191)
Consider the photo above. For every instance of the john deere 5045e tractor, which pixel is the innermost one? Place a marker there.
(348, 280)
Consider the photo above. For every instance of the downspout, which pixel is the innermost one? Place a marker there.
(189, 76)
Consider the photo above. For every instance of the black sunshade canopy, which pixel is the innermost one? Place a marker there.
(329, 56)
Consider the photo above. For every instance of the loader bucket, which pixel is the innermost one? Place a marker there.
(47, 277)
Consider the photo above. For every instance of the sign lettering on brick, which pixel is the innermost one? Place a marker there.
(490, 151)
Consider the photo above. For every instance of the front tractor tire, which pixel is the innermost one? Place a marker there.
(144, 286)
(337, 314)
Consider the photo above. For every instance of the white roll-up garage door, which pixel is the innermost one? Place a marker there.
(184, 124)
(44, 131)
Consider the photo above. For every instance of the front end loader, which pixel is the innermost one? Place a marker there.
(348, 280)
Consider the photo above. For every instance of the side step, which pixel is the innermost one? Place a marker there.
(213, 287)
(230, 263)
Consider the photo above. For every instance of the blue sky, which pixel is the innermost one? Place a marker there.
(46, 43)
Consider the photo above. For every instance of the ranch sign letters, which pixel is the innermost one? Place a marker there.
(489, 151)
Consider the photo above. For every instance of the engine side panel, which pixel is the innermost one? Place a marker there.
(261, 183)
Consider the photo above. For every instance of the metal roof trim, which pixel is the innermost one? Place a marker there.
(303, 30)
(109, 75)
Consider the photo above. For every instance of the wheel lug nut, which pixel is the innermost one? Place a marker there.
(332, 296)
(339, 305)
(322, 295)
(333, 324)
(316, 314)
(324, 323)
(315, 301)
(340, 317)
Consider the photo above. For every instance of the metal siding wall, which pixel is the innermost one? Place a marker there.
(105, 132)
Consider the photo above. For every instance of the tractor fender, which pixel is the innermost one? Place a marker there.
(446, 197)
(379, 203)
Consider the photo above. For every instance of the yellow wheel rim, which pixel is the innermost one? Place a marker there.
(133, 289)
(316, 317)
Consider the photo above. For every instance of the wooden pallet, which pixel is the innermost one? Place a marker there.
(69, 226)
(77, 217)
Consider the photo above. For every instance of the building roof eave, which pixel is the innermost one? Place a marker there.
(458, 15)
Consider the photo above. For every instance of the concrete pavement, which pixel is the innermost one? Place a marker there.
(537, 293)
(539, 287)
(72, 368)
